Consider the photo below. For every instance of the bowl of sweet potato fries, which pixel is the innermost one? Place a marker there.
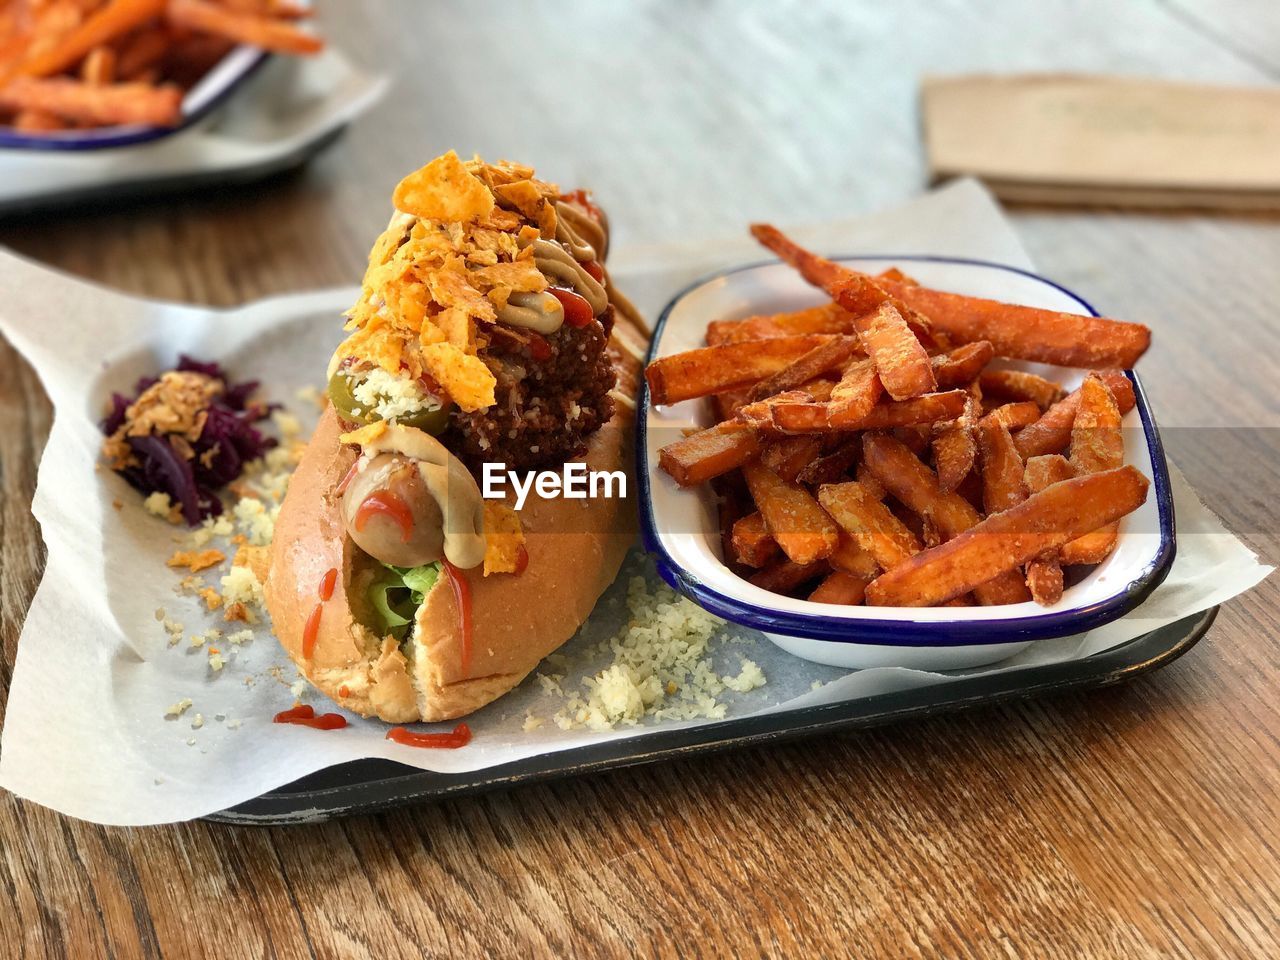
(88, 74)
(919, 461)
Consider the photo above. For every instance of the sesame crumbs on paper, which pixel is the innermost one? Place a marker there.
(660, 667)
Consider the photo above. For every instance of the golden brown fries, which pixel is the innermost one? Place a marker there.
(1015, 416)
(1052, 432)
(752, 544)
(1020, 385)
(916, 487)
(867, 452)
(70, 64)
(823, 358)
(840, 588)
(709, 453)
(828, 318)
(1027, 333)
(1097, 444)
(1044, 573)
(869, 522)
(1002, 542)
(803, 530)
(698, 373)
(954, 445)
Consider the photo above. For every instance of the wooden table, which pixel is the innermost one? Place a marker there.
(1139, 821)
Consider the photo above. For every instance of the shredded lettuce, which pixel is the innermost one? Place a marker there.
(398, 593)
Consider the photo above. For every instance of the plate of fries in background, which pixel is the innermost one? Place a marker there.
(923, 462)
(93, 74)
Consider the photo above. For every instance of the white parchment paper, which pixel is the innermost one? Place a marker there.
(86, 732)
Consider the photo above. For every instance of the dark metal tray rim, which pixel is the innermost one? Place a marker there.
(371, 786)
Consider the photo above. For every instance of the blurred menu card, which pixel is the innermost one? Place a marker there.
(1058, 138)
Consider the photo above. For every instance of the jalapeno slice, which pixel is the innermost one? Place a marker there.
(433, 422)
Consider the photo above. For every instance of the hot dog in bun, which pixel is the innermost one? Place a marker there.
(487, 331)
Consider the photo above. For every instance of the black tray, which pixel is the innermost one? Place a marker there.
(367, 786)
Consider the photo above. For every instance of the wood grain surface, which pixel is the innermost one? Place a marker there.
(1140, 821)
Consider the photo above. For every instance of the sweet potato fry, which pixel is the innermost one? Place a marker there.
(802, 528)
(869, 482)
(802, 417)
(751, 542)
(102, 27)
(787, 575)
(831, 467)
(1044, 579)
(1015, 416)
(255, 30)
(893, 273)
(1046, 470)
(1020, 385)
(915, 486)
(727, 404)
(899, 357)
(1097, 444)
(99, 66)
(36, 121)
(962, 365)
(1052, 432)
(119, 103)
(1028, 333)
(840, 588)
(821, 359)
(1002, 468)
(707, 370)
(851, 558)
(828, 318)
(858, 390)
(141, 51)
(1007, 540)
(869, 522)
(900, 360)
(955, 447)
(709, 453)
(1044, 573)
(787, 456)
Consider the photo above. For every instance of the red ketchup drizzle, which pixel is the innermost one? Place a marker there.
(312, 628)
(310, 631)
(593, 267)
(304, 715)
(539, 349)
(462, 594)
(577, 311)
(387, 504)
(459, 737)
(522, 560)
(328, 583)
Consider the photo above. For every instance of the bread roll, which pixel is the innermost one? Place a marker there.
(575, 548)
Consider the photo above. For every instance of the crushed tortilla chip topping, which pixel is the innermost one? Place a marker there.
(196, 560)
(177, 404)
(365, 435)
(503, 538)
(456, 249)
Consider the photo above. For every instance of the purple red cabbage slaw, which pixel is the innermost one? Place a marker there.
(229, 431)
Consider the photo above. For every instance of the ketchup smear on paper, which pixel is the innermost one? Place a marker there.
(459, 737)
(304, 715)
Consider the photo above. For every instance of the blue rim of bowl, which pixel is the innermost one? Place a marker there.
(104, 138)
(908, 633)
